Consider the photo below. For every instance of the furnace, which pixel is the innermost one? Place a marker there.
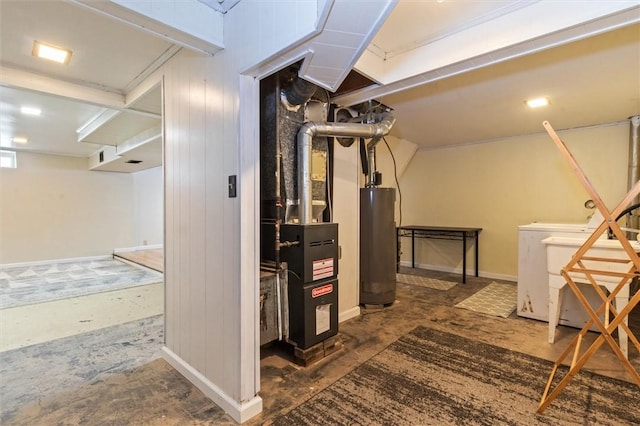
(299, 241)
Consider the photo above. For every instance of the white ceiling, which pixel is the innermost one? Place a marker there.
(589, 82)
(109, 58)
(417, 23)
(52, 132)
(106, 54)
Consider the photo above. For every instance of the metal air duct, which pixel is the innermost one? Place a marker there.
(305, 138)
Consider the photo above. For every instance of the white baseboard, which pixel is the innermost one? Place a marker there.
(240, 411)
(136, 248)
(348, 314)
(67, 260)
(503, 277)
(470, 273)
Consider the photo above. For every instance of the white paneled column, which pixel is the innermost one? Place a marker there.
(206, 337)
(346, 201)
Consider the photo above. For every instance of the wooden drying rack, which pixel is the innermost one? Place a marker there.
(576, 266)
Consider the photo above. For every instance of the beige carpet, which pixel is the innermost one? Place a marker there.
(424, 281)
(495, 299)
(429, 377)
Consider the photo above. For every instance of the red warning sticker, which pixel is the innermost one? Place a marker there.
(322, 268)
(321, 291)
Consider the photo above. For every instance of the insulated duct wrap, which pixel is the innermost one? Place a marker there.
(290, 123)
(268, 148)
(286, 103)
(294, 119)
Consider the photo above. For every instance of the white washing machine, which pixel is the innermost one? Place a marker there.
(533, 277)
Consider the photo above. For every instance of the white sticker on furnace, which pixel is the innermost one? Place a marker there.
(323, 318)
(322, 268)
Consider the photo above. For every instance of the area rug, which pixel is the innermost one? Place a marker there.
(429, 377)
(424, 281)
(495, 299)
(44, 282)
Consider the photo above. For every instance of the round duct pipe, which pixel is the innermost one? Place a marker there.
(304, 139)
(299, 92)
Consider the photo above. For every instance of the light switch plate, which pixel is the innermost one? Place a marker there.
(233, 189)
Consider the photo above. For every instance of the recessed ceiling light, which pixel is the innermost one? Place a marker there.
(19, 139)
(30, 110)
(53, 53)
(537, 102)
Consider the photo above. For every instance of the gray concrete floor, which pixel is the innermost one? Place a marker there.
(154, 393)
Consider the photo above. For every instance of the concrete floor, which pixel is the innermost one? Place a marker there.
(153, 393)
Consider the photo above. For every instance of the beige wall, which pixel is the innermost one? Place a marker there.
(148, 207)
(505, 183)
(403, 151)
(52, 207)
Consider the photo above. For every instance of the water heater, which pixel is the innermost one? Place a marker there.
(377, 246)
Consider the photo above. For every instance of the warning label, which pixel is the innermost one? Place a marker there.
(322, 268)
(321, 291)
(323, 318)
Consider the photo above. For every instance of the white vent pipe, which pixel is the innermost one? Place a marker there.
(305, 137)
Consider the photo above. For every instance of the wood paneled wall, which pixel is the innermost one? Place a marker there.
(202, 224)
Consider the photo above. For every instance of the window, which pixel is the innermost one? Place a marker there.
(8, 159)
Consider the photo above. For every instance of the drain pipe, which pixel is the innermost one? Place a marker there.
(305, 137)
(633, 220)
(371, 159)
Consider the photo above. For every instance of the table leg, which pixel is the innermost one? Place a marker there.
(476, 242)
(464, 258)
(397, 250)
(413, 248)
